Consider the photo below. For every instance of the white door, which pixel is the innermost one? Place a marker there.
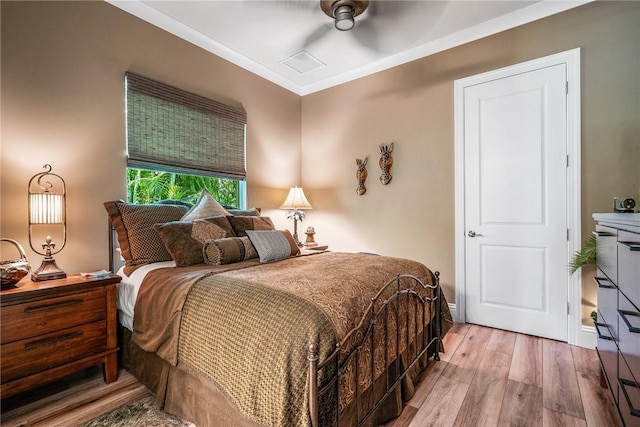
(515, 167)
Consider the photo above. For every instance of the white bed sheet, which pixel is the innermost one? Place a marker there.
(128, 290)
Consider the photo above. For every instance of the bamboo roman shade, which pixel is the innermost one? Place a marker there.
(176, 131)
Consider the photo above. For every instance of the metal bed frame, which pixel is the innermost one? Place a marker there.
(379, 311)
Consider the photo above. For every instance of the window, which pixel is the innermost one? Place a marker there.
(179, 143)
(150, 186)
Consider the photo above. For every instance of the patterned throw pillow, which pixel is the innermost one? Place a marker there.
(271, 245)
(139, 243)
(205, 207)
(241, 224)
(184, 240)
(244, 212)
(228, 250)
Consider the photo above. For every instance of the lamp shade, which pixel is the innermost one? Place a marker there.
(296, 200)
(45, 208)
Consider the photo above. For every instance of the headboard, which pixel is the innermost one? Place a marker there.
(115, 259)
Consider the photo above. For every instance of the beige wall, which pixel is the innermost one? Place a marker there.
(412, 105)
(62, 103)
(63, 66)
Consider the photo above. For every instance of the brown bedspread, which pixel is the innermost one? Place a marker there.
(247, 328)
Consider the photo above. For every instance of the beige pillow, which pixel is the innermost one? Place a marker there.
(205, 207)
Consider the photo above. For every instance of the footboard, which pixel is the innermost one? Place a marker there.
(400, 328)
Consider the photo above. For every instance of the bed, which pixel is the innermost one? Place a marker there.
(225, 335)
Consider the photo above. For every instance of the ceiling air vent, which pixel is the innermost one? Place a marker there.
(303, 62)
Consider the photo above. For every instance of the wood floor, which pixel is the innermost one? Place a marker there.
(487, 377)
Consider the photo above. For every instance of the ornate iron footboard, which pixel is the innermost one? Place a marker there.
(382, 308)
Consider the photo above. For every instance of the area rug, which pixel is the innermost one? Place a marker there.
(143, 413)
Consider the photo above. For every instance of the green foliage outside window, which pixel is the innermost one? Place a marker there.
(145, 186)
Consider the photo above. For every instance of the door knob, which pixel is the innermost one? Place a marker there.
(473, 234)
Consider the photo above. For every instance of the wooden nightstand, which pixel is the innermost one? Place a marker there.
(54, 328)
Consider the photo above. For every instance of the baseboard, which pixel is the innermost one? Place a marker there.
(452, 309)
(588, 337)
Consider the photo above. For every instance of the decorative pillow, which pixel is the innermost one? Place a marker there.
(244, 212)
(271, 245)
(205, 207)
(185, 240)
(241, 224)
(228, 250)
(138, 242)
(174, 202)
(295, 250)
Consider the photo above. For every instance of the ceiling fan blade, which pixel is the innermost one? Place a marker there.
(285, 4)
(317, 34)
(365, 33)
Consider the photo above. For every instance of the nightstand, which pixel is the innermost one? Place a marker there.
(54, 328)
(308, 250)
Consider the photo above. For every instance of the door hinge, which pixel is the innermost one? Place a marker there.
(566, 88)
(567, 309)
(567, 160)
(567, 234)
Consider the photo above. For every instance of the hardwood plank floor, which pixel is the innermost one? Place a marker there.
(558, 369)
(486, 378)
(526, 366)
(487, 387)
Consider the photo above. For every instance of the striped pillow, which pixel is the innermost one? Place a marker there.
(271, 245)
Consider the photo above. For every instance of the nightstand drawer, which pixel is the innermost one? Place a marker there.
(22, 358)
(30, 319)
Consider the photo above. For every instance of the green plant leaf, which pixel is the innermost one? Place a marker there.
(585, 256)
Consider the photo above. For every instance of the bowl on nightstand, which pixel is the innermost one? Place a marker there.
(12, 271)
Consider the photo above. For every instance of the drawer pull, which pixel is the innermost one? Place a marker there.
(35, 309)
(624, 314)
(600, 285)
(603, 233)
(604, 337)
(623, 383)
(631, 245)
(48, 341)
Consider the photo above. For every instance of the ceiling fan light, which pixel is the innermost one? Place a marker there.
(344, 18)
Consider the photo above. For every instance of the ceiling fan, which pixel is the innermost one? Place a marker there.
(343, 11)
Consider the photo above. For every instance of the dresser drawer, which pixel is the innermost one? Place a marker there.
(629, 335)
(34, 318)
(629, 266)
(629, 395)
(25, 357)
(607, 239)
(607, 303)
(608, 353)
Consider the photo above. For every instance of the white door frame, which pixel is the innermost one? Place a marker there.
(574, 281)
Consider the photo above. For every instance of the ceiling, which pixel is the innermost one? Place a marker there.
(283, 40)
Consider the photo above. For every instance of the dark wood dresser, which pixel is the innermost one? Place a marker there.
(51, 329)
(618, 325)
